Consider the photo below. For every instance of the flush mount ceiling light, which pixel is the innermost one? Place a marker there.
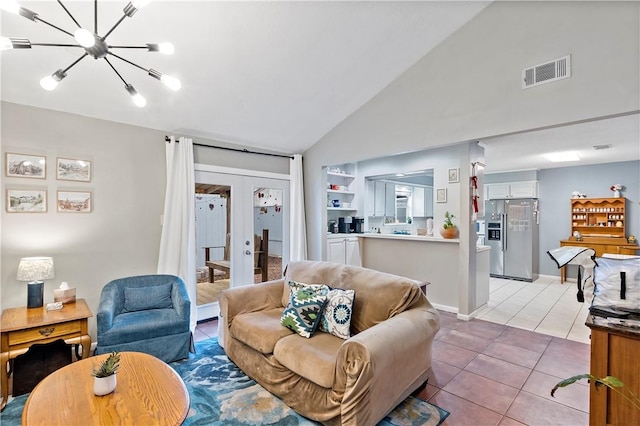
(559, 157)
(93, 44)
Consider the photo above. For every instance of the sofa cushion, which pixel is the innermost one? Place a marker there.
(380, 295)
(143, 298)
(304, 309)
(260, 330)
(314, 358)
(337, 313)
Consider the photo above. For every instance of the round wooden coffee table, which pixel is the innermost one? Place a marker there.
(148, 392)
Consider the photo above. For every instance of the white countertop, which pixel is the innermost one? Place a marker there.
(410, 238)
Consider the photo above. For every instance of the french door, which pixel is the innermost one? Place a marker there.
(242, 231)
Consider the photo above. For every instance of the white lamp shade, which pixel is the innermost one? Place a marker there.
(35, 269)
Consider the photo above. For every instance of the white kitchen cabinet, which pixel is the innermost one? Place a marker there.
(417, 202)
(390, 200)
(524, 189)
(344, 250)
(379, 195)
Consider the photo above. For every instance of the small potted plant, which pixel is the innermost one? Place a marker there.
(449, 230)
(105, 375)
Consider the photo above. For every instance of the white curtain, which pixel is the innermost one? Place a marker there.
(177, 244)
(298, 234)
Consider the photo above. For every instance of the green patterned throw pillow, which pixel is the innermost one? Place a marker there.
(303, 311)
(337, 313)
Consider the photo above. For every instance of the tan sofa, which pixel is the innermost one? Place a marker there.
(356, 381)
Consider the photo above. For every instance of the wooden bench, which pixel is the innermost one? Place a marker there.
(222, 267)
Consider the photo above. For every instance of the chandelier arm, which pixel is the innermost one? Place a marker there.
(114, 27)
(38, 18)
(56, 45)
(128, 47)
(69, 13)
(116, 71)
(74, 62)
(128, 61)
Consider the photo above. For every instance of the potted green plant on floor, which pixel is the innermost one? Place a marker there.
(611, 382)
(105, 375)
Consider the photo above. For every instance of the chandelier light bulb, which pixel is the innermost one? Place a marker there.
(166, 48)
(48, 83)
(10, 6)
(51, 81)
(139, 100)
(84, 37)
(171, 82)
(5, 43)
(139, 4)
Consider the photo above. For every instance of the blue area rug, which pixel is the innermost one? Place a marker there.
(221, 394)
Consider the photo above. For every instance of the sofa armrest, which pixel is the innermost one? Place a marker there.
(379, 364)
(250, 298)
(107, 309)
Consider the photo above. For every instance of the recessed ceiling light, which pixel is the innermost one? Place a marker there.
(558, 157)
(399, 174)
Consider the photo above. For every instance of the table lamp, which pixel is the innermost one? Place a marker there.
(35, 270)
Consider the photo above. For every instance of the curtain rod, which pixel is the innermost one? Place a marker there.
(246, 151)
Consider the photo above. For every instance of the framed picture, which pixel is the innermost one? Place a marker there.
(441, 195)
(25, 166)
(74, 201)
(69, 169)
(454, 175)
(26, 200)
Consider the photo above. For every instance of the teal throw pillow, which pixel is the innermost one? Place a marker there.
(303, 311)
(143, 298)
(337, 313)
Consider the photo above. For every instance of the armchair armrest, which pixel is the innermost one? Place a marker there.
(107, 308)
(180, 300)
(250, 298)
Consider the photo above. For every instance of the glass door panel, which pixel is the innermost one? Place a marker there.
(242, 233)
(268, 225)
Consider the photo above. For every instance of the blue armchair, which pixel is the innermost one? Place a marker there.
(146, 313)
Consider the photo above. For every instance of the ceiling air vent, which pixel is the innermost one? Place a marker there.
(601, 147)
(545, 73)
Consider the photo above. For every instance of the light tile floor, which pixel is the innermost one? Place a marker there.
(544, 306)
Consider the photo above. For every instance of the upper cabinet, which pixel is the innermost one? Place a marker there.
(524, 189)
(598, 217)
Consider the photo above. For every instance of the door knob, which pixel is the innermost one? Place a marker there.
(247, 252)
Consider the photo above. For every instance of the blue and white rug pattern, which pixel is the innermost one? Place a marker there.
(221, 394)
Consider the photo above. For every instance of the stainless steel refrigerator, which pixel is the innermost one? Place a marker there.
(512, 233)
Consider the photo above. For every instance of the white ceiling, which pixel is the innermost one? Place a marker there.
(272, 75)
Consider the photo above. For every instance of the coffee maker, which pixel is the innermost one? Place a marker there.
(357, 225)
(344, 225)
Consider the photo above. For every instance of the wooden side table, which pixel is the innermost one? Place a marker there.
(22, 327)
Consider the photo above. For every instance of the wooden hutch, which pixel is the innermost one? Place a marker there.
(601, 224)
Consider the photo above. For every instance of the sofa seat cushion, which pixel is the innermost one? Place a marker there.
(143, 325)
(313, 358)
(260, 330)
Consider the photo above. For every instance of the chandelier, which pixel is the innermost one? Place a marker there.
(94, 45)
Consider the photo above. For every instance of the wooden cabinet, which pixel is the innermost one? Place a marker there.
(344, 250)
(614, 352)
(524, 189)
(598, 217)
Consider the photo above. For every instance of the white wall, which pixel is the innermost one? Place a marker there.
(469, 87)
(121, 236)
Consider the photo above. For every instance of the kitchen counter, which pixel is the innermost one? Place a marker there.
(410, 237)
